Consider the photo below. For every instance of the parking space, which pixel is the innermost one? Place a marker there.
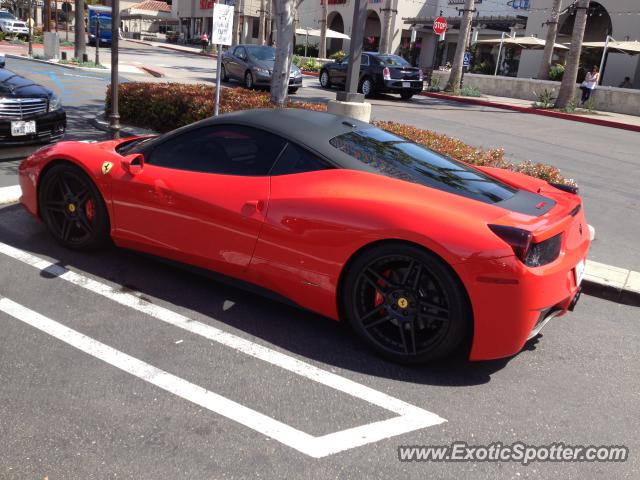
(117, 365)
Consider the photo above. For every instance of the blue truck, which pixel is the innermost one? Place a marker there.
(101, 14)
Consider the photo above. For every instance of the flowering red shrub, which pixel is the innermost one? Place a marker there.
(166, 106)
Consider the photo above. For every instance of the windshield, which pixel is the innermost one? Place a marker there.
(399, 158)
(262, 53)
(393, 61)
(7, 15)
(105, 23)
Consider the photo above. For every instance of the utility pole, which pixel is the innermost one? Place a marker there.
(552, 31)
(31, 28)
(114, 118)
(456, 70)
(97, 39)
(355, 52)
(322, 53)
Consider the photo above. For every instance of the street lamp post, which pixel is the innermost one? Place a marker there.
(97, 62)
(114, 118)
(30, 28)
(355, 52)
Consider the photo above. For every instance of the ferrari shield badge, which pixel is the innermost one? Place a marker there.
(106, 166)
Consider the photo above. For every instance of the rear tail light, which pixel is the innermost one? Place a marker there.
(565, 188)
(529, 253)
(386, 73)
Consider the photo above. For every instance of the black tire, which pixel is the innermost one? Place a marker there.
(406, 95)
(325, 81)
(223, 74)
(248, 80)
(72, 208)
(405, 303)
(366, 87)
(294, 90)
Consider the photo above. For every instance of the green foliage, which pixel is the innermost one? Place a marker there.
(296, 61)
(589, 105)
(79, 63)
(311, 65)
(434, 85)
(166, 106)
(571, 106)
(2, 36)
(556, 72)
(546, 99)
(312, 50)
(469, 92)
(484, 68)
(339, 55)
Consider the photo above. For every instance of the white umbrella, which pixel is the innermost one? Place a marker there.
(314, 32)
(530, 42)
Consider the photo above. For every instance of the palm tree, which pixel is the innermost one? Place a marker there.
(552, 31)
(284, 11)
(568, 85)
(456, 69)
(322, 53)
(78, 29)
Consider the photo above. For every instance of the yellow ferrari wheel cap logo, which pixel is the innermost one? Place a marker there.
(403, 302)
(72, 208)
(106, 166)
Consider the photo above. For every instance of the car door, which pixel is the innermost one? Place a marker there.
(200, 196)
(240, 63)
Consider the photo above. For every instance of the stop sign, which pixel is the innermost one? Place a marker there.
(440, 25)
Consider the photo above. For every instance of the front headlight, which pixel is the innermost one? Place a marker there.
(295, 71)
(262, 71)
(54, 103)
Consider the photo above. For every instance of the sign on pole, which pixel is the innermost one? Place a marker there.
(440, 25)
(467, 59)
(222, 34)
(222, 24)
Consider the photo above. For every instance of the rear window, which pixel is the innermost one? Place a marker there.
(393, 61)
(396, 157)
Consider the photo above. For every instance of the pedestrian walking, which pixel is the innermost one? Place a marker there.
(589, 85)
(204, 39)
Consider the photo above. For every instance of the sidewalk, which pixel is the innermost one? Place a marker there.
(607, 119)
(173, 46)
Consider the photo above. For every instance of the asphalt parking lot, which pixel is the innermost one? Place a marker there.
(115, 365)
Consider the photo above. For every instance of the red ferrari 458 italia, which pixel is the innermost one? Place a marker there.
(420, 253)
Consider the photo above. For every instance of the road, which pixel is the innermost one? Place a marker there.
(114, 365)
(73, 406)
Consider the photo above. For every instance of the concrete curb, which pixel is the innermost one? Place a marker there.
(151, 71)
(101, 123)
(170, 47)
(612, 283)
(534, 111)
(71, 67)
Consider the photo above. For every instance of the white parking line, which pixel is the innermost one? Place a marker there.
(410, 417)
(10, 194)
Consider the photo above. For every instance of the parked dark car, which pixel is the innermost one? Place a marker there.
(29, 113)
(253, 65)
(379, 73)
(1, 60)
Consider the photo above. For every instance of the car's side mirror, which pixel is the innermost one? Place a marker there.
(133, 164)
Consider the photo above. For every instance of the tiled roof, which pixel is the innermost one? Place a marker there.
(154, 5)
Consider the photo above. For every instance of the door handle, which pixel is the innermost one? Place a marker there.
(257, 204)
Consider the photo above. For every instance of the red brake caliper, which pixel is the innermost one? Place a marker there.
(378, 298)
(88, 210)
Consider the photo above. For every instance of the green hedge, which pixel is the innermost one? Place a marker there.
(166, 106)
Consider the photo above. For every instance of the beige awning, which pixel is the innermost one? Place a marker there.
(524, 42)
(626, 47)
(314, 32)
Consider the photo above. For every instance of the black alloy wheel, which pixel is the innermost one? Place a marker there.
(72, 208)
(406, 304)
(248, 80)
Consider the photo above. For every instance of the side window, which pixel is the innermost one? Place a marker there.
(295, 159)
(364, 60)
(242, 53)
(220, 149)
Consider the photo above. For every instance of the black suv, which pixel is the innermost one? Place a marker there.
(29, 113)
(378, 73)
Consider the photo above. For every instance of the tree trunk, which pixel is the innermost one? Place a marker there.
(547, 55)
(284, 16)
(323, 31)
(263, 21)
(46, 14)
(456, 69)
(79, 34)
(568, 85)
(385, 41)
